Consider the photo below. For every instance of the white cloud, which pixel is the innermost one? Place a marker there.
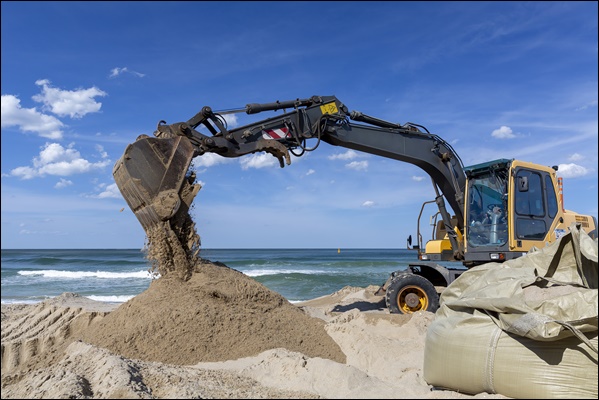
(503, 133)
(74, 103)
(231, 120)
(29, 119)
(258, 161)
(348, 155)
(590, 104)
(23, 172)
(575, 157)
(100, 150)
(357, 165)
(119, 71)
(210, 159)
(63, 183)
(368, 203)
(57, 160)
(310, 172)
(418, 178)
(571, 170)
(36, 232)
(111, 191)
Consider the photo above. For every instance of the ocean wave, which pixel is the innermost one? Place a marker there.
(263, 272)
(21, 301)
(52, 273)
(106, 299)
(51, 261)
(111, 299)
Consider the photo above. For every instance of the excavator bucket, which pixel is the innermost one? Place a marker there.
(152, 177)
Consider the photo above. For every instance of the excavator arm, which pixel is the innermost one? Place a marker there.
(154, 178)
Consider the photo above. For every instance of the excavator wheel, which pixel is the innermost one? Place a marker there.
(409, 293)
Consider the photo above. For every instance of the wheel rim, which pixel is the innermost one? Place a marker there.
(411, 299)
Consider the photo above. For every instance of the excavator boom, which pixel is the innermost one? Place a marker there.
(154, 178)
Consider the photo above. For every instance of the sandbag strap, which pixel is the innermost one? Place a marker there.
(578, 253)
(557, 283)
(578, 334)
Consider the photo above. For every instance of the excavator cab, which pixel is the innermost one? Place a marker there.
(511, 206)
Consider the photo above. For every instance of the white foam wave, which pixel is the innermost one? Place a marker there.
(52, 273)
(19, 301)
(107, 299)
(262, 272)
(111, 299)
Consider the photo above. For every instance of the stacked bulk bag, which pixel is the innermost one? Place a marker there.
(525, 328)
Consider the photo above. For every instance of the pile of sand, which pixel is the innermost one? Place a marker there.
(218, 314)
(203, 311)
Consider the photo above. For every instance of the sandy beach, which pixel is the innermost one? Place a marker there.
(218, 335)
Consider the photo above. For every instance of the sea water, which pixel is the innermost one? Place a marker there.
(116, 275)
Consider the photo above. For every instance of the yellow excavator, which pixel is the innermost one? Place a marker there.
(501, 209)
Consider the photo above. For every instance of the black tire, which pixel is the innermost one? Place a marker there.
(409, 293)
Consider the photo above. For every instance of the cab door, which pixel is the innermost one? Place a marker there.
(535, 207)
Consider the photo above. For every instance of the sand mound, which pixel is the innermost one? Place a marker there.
(199, 311)
(218, 314)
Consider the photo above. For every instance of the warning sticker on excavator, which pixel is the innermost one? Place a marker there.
(329, 108)
(278, 133)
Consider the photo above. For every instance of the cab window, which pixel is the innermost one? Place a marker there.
(551, 197)
(530, 206)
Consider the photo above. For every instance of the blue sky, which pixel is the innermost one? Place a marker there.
(81, 80)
